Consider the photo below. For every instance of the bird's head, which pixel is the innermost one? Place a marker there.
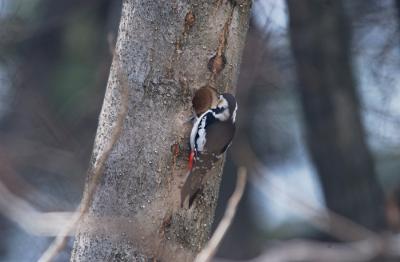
(205, 98)
(226, 107)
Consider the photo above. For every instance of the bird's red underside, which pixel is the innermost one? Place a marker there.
(191, 160)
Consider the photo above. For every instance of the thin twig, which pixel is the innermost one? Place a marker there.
(209, 251)
(306, 250)
(96, 173)
(28, 217)
(325, 220)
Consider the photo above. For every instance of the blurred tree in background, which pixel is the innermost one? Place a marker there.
(55, 62)
(320, 37)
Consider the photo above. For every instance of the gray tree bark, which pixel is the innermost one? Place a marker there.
(164, 47)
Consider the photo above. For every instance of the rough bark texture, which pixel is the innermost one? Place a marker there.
(165, 48)
(320, 40)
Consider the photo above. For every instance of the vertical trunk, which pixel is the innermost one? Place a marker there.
(397, 3)
(320, 39)
(164, 48)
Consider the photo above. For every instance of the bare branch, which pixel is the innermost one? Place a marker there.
(209, 251)
(325, 220)
(28, 217)
(305, 250)
(96, 173)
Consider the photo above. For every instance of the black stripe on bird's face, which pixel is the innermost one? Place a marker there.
(231, 101)
(225, 108)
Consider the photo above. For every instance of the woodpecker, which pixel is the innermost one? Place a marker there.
(210, 137)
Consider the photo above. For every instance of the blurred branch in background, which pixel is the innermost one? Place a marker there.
(313, 251)
(28, 217)
(324, 220)
(96, 171)
(210, 249)
(56, 58)
(360, 244)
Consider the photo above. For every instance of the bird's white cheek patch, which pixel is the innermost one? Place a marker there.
(234, 114)
(223, 103)
(222, 116)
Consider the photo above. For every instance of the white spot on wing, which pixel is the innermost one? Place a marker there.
(195, 129)
(234, 114)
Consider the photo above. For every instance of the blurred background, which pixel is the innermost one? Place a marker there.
(319, 98)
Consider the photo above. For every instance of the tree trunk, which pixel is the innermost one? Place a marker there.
(164, 47)
(320, 39)
(397, 3)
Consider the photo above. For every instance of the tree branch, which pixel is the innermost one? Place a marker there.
(325, 220)
(28, 217)
(209, 251)
(306, 250)
(97, 171)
